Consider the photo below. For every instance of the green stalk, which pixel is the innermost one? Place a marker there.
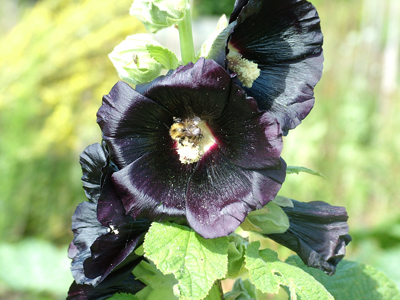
(186, 38)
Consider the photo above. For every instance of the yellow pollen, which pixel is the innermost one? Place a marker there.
(246, 70)
(193, 139)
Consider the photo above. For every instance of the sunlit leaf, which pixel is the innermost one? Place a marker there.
(353, 280)
(163, 56)
(196, 262)
(268, 273)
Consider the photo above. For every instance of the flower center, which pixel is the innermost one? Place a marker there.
(246, 70)
(193, 139)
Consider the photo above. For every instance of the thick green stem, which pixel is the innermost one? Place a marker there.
(186, 38)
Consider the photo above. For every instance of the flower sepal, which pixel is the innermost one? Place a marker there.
(267, 220)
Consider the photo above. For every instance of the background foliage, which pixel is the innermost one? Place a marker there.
(55, 69)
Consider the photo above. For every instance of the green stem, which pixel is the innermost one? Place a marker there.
(186, 38)
(221, 291)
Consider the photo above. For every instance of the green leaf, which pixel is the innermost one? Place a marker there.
(196, 262)
(163, 56)
(242, 290)
(268, 220)
(123, 296)
(297, 170)
(236, 250)
(353, 280)
(159, 14)
(267, 273)
(133, 61)
(158, 285)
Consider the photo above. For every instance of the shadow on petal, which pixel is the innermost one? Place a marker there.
(104, 236)
(120, 281)
(283, 38)
(318, 233)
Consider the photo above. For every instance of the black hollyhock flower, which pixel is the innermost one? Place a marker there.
(318, 233)
(104, 237)
(191, 145)
(276, 51)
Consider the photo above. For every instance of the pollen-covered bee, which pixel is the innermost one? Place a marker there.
(186, 131)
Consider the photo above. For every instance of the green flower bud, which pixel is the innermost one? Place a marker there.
(159, 14)
(133, 61)
(283, 201)
(268, 220)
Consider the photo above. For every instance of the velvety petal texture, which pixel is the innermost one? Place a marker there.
(98, 250)
(104, 236)
(283, 37)
(93, 161)
(114, 249)
(318, 233)
(86, 229)
(215, 193)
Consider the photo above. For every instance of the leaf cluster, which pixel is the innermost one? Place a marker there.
(183, 265)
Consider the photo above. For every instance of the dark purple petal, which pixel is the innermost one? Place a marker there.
(124, 235)
(284, 38)
(219, 197)
(318, 233)
(221, 194)
(96, 249)
(239, 4)
(120, 281)
(248, 138)
(110, 251)
(129, 121)
(154, 185)
(93, 161)
(267, 183)
(86, 230)
(201, 89)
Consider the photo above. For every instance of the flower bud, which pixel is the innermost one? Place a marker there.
(133, 61)
(159, 14)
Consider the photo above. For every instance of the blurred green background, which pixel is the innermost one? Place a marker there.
(54, 70)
